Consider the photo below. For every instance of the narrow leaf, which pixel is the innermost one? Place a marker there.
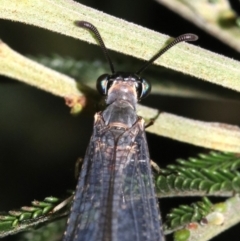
(124, 37)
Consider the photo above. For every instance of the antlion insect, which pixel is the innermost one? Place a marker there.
(115, 198)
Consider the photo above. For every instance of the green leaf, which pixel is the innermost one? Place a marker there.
(208, 174)
(30, 216)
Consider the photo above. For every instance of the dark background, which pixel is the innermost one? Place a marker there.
(40, 141)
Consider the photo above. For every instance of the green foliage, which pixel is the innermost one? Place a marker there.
(212, 174)
(27, 216)
(184, 214)
(208, 174)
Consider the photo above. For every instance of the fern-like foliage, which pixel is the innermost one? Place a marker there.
(196, 212)
(26, 217)
(208, 174)
(213, 174)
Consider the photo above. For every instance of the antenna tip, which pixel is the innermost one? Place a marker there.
(77, 23)
(190, 37)
(82, 24)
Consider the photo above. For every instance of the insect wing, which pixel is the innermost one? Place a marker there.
(115, 198)
(139, 216)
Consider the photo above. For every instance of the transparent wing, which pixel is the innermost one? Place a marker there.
(115, 198)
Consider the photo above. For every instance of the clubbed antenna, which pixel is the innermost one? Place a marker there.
(93, 29)
(185, 37)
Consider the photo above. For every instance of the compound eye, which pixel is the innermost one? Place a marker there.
(102, 84)
(144, 89)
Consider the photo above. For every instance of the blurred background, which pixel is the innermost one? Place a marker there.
(40, 141)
